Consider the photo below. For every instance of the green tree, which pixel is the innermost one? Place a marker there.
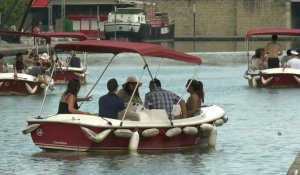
(14, 16)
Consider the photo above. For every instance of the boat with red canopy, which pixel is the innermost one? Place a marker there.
(139, 128)
(13, 83)
(64, 72)
(274, 77)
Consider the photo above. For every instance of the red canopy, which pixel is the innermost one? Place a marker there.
(273, 31)
(15, 33)
(115, 47)
(39, 3)
(77, 35)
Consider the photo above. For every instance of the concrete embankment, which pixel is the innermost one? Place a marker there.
(219, 58)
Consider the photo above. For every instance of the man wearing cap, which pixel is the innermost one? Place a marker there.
(159, 98)
(294, 62)
(110, 104)
(128, 88)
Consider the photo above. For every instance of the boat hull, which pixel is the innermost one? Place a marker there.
(64, 75)
(274, 78)
(22, 85)
(139, 32)
(72, 131)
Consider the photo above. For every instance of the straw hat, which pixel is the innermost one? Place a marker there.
(294, 52)
(131, 79)
(44, 56)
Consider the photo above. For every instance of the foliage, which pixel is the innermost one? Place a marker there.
(15, 15)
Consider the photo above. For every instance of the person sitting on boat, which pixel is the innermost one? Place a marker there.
(287, 57)
(110, 104)
(68, 101)
(40, 72)
(32, 60)
(159, 98)
(128, 88)
(273, 50)
(2, 68)
(259, 60)
(73, 60)
(19, 65)
(193, 104)
(294, 62)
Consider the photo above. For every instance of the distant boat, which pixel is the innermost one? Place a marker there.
(137, 24)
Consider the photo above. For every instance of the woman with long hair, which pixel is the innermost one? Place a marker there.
(127, 90)
(194, 101)
(68, 100)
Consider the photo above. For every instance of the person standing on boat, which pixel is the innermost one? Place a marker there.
(19, 65)
(193, 104)
(128, 88)
(273, 50)
(68, 100)
(159, 98)
(110, 104)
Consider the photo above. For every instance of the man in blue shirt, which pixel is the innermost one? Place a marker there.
(74, 61)
(110, 104)
(159, 98)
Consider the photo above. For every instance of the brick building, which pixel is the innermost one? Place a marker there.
(213, 18)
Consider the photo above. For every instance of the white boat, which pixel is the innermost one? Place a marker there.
(139, 128)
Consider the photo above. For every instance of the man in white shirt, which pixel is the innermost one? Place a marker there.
(294, 62)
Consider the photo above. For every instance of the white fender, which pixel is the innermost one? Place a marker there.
(190, 130)
(225, 118)
(124, 133)
(206, 127)
(254, 82)
(79, 74)
(212, 137)
(173, 132)
(248, 77)
(150, 132)
(30, 128)
(219, 122)
(1, 83)
(296, 78)
(267, 80)
(29, 89)
(94, 136)
(42, 85)
(134, 141)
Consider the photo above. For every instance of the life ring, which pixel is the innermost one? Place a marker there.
(266, 81)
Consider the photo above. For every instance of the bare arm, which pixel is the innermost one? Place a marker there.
(71, 104)
(183, 108)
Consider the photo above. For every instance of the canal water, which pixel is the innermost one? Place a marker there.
(261, 136)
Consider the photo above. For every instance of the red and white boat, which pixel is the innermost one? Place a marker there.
(12, 83)
(64, 73)
(275, 77)
(141, 128)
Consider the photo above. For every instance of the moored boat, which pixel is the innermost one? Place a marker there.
(139, 128)
(13, 83)
(138, 24)
(271, 77)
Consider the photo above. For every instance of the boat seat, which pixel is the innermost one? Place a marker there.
(132, 116)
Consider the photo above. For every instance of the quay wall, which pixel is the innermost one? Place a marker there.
(214, 18)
